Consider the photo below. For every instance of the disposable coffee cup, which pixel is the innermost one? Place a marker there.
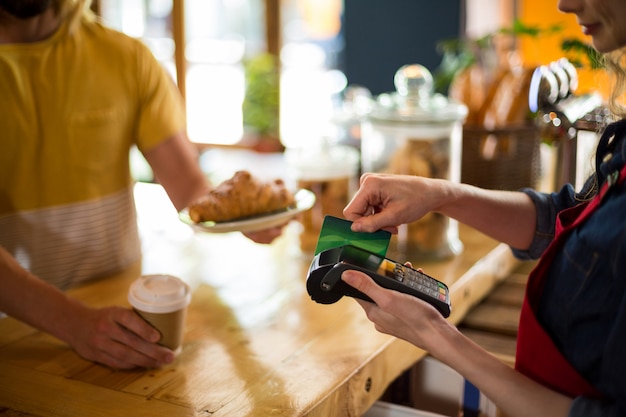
(162, 301)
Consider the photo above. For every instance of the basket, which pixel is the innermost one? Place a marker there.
(505, 158)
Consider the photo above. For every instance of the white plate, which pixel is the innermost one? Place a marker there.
(304, 201)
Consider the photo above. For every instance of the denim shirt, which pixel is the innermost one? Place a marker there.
(583, 305)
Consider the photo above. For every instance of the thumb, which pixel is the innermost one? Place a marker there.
(373, 223)
(363, 283)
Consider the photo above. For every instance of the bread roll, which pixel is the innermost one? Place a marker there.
(239, 197)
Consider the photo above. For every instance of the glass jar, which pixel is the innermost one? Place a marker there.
(330, 172)
(413, 131)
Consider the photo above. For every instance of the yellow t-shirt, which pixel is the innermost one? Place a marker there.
(71, 107)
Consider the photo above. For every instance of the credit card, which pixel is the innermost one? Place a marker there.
(336, 232)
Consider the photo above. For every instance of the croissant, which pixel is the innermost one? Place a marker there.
(241, 196)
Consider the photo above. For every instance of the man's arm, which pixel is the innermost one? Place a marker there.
(175, 165)
(113, 336)
(176, 168)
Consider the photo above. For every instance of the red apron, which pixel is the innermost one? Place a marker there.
(537, 357)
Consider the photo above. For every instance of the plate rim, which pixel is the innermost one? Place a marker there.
(305, 199)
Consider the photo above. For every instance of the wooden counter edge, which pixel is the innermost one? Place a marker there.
(480, 280)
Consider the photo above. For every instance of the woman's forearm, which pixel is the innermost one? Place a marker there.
(513, 393)
(387, 201)
(507, 216)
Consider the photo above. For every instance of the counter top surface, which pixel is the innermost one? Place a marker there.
(254, 344)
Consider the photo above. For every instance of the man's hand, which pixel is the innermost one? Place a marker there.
(117, 337)
(265, 236)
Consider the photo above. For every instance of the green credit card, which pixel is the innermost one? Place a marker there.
(336, 232)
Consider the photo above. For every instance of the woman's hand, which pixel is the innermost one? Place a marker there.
(385, 201)
(398, 314)
(419, 323)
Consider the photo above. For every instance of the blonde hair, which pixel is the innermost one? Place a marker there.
(74, 11)
(615, 63)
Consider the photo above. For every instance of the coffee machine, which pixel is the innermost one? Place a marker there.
(569, 123)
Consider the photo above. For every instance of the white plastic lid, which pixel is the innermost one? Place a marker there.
(159, 294)
(323, 163)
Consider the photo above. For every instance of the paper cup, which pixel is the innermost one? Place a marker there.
(162, 301)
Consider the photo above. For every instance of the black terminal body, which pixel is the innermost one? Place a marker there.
(325, 286)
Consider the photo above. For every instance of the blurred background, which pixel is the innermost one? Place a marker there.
(323, 46)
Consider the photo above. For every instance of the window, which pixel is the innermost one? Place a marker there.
(219, 35)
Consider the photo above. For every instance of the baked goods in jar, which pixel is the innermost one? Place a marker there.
(425, 158)
(241, 196)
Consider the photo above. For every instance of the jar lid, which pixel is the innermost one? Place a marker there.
(356, 103)
(159, 294)
(323, 162)
(414, 100)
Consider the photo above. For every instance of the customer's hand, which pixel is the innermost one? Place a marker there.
(117, 337)
(265, 236)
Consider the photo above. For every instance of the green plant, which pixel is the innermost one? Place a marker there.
(457, 54)
(521, 29)
(262, 93)
(575, 48)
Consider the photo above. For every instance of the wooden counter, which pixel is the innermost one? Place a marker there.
(255, 344)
